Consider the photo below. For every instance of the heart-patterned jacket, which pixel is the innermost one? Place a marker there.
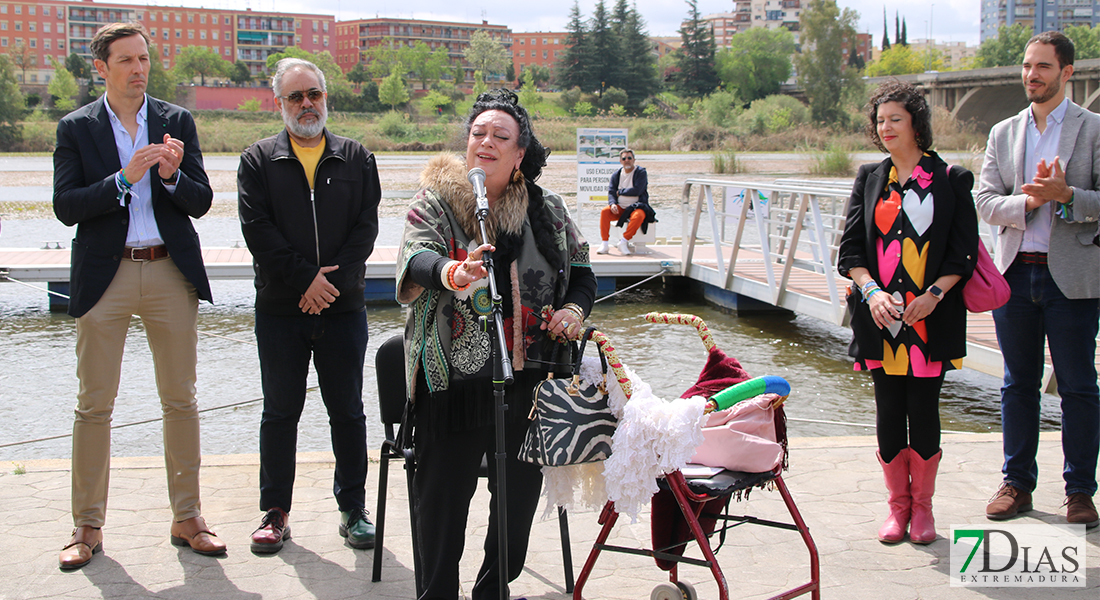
(952, 250)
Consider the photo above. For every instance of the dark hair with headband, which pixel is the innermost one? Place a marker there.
(913, 100)
(534, 158)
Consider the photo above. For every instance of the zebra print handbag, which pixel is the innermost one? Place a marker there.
(571, 423)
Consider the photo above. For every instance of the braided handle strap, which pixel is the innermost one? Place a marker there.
(684, 319)
(613, 361)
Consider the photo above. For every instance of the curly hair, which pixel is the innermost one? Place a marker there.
(534, 159)
(913, 100)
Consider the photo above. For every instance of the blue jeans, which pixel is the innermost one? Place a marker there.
(338, 344)
(1038, 309)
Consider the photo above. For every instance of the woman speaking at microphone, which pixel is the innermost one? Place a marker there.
(545, 281)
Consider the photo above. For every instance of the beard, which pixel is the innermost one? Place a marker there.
(305, 130)
(1044, 93)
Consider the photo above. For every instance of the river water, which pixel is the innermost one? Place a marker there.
(38, 382)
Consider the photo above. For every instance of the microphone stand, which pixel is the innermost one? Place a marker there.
(502, 376)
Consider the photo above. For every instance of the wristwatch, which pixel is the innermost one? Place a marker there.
(936, 291)
(173, 180)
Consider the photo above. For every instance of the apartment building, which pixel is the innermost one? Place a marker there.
(1037, 15)
(537, 48)
(357, 36)
(754, 13)
(40, 30)
(956, 55)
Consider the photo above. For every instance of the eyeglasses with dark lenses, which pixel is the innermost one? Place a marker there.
(626, 158)
(314, 96)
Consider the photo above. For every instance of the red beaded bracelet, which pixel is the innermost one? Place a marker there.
(451, 278)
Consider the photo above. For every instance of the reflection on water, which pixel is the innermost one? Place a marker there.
(38, 382)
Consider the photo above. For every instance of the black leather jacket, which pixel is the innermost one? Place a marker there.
(292, 231)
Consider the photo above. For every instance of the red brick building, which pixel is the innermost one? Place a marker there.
(55, 29)
(355, 37)
(537, 48)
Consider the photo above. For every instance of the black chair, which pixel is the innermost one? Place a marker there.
(393, 406)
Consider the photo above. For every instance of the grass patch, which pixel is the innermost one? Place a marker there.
(725, 161)
(835, 161)
(20, 469)
(757, 130)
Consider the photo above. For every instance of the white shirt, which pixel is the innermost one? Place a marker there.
(626, 180)
(1041, 146)
(143, 229)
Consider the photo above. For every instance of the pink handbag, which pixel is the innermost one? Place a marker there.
(987, 288)
(742, 437)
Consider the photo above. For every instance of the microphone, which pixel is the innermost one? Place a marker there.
(477, 179)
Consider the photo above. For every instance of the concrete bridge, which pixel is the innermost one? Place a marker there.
(987, 96)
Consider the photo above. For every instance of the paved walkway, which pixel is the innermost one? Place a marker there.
(835, 481)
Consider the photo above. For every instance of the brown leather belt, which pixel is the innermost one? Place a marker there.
(147, 253)
(1032, 258)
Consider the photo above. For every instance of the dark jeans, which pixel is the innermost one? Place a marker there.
(1038, 310)
(907, 413)
(337, 343)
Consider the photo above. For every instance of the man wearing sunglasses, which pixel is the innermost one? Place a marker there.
(627, 201)
(308, 203)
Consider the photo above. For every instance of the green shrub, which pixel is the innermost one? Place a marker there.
(39, 132)
(719, 109)
(834, 161)
(773, 114)
(584, 109)
(570, 98)
(393, 125)
(612, 96)
(250, 105)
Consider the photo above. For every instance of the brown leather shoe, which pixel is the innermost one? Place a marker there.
(273, 531)
(1081, 511)
(1008, 502)
(86, 542)
(194, 533)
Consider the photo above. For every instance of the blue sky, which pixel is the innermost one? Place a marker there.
(952, 20)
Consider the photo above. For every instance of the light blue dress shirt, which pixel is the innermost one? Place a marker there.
(143, 229)
(1041, 146)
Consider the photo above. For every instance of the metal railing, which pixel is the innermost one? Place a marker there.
(795, 226)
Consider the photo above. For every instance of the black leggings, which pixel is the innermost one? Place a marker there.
(907, 414)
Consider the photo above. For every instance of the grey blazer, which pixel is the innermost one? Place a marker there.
(1073, 259)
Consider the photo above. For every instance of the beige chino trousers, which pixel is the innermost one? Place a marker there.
(168, 306)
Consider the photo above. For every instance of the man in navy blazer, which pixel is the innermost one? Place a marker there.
(128, 173)
(1040, 187)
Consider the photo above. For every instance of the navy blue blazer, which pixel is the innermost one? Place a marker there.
(84, 166)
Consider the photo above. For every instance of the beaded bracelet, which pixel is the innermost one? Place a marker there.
(451, 278)
(869, 290)
(575, 309)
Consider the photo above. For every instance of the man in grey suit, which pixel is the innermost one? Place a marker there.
(1039, 188)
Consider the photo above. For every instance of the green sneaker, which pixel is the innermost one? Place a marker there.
(357, 528)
